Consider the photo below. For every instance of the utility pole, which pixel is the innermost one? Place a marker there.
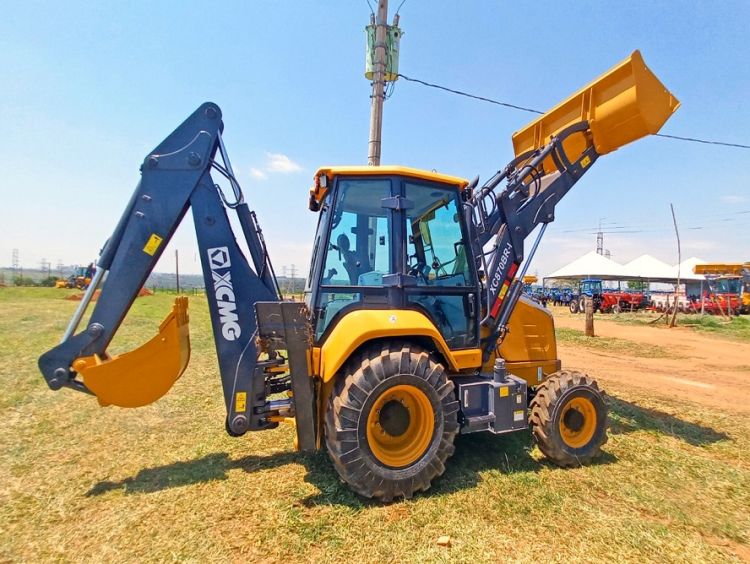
(679, 263)
(378, 84)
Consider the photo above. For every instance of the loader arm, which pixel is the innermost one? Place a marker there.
(175, 177)
(552, 153)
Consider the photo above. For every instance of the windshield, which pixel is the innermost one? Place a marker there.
(358, 249)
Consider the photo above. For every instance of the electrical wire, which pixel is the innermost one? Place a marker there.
(533, 111)
(370, 6)
(738, 145)
(482, 98)
(399, 7)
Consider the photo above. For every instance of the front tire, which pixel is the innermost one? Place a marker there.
(391, 421)
(569, 418)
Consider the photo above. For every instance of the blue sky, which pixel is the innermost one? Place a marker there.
(89, 88)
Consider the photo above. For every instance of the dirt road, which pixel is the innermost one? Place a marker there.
(703, 369)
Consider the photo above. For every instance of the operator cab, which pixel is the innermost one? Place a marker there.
(591, 287)
(392, 238)
(729, 286)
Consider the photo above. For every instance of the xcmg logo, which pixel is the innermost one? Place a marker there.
(218, 258)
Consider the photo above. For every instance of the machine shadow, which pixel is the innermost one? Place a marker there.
(475, 454)
(627, 417)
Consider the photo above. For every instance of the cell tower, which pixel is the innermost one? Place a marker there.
(600, 239)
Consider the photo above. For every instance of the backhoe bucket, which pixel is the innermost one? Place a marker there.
(624, 104)
(144, 375)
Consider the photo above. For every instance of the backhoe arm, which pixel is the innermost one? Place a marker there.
(174, 177)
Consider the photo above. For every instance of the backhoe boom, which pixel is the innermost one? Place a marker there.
(174, 177)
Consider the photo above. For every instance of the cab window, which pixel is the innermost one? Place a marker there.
(435, 244)
(358, 250)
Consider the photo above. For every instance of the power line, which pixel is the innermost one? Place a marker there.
(533, 111)
(482, 98)
(738, 145)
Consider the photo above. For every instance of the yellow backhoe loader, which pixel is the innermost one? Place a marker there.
(728, 284)
(413, 328)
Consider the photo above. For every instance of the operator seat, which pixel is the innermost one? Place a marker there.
(351, 264)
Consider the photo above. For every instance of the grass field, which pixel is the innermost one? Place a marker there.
(737, 328)
(609, 344)
(82, 483)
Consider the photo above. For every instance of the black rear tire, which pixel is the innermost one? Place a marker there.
(569, 418)
(391, 421)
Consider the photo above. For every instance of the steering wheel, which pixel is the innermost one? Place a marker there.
(420, 270)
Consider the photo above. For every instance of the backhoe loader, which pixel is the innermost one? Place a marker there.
(413, 328)
(728, 285)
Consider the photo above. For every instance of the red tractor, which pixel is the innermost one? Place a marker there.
(606, 301)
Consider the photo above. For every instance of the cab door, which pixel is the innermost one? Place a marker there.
(439, 262)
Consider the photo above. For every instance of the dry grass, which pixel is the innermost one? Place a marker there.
(613, 345)
(80, 483)
(735, 328)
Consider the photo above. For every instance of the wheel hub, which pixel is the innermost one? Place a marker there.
(394, 418)
(573, 420)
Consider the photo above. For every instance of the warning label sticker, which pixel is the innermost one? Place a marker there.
(152, 244)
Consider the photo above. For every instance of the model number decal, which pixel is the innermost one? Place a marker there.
(497, 279)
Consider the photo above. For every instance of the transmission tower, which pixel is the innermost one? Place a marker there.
(600, 239)
(16, 265)
(293, 272)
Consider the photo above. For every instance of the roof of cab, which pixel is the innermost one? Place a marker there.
(364, 170)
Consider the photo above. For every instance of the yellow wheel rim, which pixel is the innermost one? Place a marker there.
(578, 422)
(400, 426)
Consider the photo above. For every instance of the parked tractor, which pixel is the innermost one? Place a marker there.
(606, 301)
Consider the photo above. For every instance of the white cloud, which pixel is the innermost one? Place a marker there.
(732, 199)
(258, 174)
(278, 162)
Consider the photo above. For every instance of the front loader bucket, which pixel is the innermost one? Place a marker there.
(624, 104)
(144, 375)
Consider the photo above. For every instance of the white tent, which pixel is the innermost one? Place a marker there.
(650, 268)
(592, 265)
(686, 270)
